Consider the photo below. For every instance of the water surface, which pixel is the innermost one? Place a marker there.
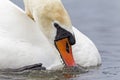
(100, 21)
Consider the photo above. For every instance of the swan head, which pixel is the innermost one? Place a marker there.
(55, 23)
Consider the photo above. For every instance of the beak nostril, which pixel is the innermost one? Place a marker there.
(67, 47)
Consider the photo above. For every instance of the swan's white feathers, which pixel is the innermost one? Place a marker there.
(45, 13)
(23, 43)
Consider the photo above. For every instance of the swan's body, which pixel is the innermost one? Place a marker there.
(23, 43)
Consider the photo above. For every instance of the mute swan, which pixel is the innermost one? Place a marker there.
(22, 42)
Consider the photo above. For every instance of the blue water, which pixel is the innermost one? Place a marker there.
(100, 21)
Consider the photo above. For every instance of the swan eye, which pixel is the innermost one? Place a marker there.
(56, 25)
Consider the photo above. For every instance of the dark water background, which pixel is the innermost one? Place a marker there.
(100, 21)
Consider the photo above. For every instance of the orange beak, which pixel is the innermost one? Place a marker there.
(65, 51)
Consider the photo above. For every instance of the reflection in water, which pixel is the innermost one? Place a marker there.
(64, 73)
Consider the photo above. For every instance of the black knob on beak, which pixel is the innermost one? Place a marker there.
(62, 33)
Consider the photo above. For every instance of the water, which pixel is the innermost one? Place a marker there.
(100, 21)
